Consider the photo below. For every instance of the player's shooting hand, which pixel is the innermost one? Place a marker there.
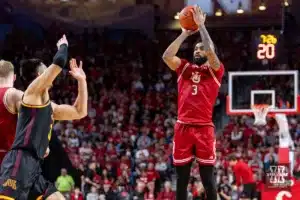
(198, 15)
(75, 71)
(62, 41)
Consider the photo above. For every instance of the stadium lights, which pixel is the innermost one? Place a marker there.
(219, 13)
(286, 3)
(176, 16)
(262, 6)
(240, 8)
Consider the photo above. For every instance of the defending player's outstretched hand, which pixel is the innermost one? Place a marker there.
(62, 41)
(75, 71)
(61, 57)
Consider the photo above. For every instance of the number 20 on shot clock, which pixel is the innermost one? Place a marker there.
(266, 45)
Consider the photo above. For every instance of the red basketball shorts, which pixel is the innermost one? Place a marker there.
(194, 142)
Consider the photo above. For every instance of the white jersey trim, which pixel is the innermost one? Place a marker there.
(205, 161)
(182, 160)
(181, 122)
(184, 68)
(214, 77)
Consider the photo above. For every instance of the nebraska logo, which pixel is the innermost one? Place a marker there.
(278, 177)
(196, 77)
(292, 194)
(282, 194)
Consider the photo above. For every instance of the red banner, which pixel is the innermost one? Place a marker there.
(292, 194)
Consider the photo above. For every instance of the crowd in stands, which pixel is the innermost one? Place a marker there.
(123, 147)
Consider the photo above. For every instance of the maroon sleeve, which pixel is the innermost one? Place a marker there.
(182, 66)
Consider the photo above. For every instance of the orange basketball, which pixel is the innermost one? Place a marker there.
(186, 19)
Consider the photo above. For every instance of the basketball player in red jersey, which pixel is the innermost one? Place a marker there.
(8, 117)
(8, 107)
(198, 86)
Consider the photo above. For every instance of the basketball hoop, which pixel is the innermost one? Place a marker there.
(260, 113)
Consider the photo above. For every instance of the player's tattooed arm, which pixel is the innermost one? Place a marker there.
(169, 55)
(199, 18)
(209, 48)
(79, 109)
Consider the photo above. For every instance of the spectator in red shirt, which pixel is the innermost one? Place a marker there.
(76, 195)
(167, 193)
(243, 175)
(152, 175)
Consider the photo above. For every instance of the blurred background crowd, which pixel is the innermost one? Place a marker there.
(123, 148)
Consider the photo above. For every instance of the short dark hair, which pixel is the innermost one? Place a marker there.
(232, 157)
(29, 68)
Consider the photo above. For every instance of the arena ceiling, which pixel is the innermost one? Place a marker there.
(73, 10)
(91, 12)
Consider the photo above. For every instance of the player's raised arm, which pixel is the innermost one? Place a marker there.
(169, 55)
(45, 80)
(199, 18)
(61, 112)
(79, 109)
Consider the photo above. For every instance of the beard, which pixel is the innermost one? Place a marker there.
(200, 60)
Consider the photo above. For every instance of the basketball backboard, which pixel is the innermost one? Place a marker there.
(279, 89)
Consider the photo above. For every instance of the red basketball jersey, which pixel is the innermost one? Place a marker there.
(198, 88)
(8, 123)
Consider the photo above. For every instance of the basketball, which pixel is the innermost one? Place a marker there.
(186, 19)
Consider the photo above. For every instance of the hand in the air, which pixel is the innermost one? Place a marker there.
(62, 41)
(198, 15)
(75, 71)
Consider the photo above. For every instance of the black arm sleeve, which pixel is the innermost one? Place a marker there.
(61, 56)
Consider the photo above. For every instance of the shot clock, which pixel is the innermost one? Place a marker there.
(265, 45)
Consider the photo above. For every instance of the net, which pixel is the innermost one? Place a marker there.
(260, 112)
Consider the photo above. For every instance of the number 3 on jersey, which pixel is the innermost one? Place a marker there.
(194, 89)
(195, 79)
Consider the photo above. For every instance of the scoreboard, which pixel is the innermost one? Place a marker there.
(265, 44)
